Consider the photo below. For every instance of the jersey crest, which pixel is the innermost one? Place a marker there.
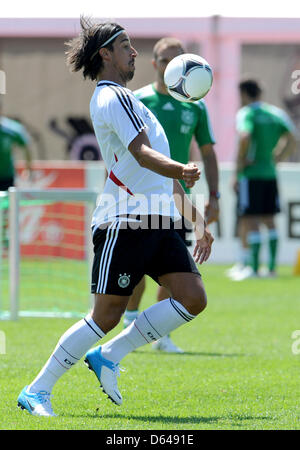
(187, 117)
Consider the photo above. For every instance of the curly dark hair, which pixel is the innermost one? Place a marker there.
(82, 53)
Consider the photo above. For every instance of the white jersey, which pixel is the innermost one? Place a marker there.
(118, 117)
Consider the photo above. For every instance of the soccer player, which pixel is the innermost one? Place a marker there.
(266, 137)
(181, 121)
(136, 154)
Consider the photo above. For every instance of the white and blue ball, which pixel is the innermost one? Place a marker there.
(188, 77)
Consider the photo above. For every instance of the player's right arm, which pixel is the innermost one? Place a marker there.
(151, 159)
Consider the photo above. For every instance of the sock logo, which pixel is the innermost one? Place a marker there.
(123, 280)
(151, 336)
(70, 363)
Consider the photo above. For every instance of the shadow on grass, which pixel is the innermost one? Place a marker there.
(219, 355)
(178, 420)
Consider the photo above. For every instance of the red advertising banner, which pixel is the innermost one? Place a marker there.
(52, 229)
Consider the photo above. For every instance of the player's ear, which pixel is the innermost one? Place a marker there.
(153, 61)
(105, 54)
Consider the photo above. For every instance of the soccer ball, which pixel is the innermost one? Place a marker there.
(188, 77)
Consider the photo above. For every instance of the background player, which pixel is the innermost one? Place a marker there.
(266, 137)
(182, 122)
(12, 135)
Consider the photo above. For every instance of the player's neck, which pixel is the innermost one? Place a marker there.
(161, 88)
(113, 76)
(251, 100)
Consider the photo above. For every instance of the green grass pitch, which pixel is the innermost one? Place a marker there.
(238, 373)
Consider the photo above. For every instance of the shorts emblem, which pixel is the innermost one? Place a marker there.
(124, 280)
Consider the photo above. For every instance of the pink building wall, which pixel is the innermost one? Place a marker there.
(219, 38)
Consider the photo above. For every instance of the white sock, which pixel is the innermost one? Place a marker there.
(71, 347)
(153, 323)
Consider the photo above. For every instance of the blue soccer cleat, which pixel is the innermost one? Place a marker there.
(106, 371)
(37, 404)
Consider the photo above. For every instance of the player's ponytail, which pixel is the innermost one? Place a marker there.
(83, 53)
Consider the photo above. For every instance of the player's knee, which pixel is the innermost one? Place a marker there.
(200, 304)
(196, 301)
(106, 322)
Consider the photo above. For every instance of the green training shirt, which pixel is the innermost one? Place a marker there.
(265, 124)
(180, 120)
(11, 133)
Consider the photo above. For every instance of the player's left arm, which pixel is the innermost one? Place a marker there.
(188, 210)
(243, 146)
(212, 178)
(205, 139)
(286, 146)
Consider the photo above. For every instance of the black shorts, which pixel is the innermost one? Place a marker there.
(258, 197)
(122, 256)
(6, 183)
